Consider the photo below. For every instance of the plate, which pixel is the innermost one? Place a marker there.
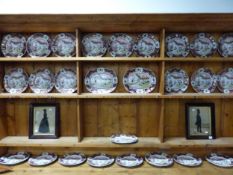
(43, 159)
(41, 81)
(101, 80)
(72, 159)
(177, 45)
(16, 81)
(129, 160)
(13, 45)
(39, 45)
(225, 47)
(187, 160)
(14, 159)
(220, 160)
(159, 159)
(203, 45)
(124, 139)
(100, 160)
(94, 45)
(139, 80)
(176, 80)
(121, 45)
(66, 81)
(204, 80)
(225, 80)
(64, 45)
(147, 45)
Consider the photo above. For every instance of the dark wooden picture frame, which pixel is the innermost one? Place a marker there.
(200, 120)
(44, 121)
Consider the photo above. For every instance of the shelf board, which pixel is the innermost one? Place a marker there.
(37, 59)
(197, 96)
(33, 95)
(120, 59)
(120, 95)
(198, 59)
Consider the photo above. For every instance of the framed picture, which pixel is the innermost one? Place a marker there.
(200, 121)
(44, 121)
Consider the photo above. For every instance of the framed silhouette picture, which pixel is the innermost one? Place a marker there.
(44, 121)
(200, 121)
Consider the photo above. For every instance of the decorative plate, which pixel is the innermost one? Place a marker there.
(14, 159)
(121, 45)
(177, 45)
(94, 45)
(159, 159)
(66, 81)
(220, 160)
(225, 47)
(39, 45)
(176, 80)
(43, 159)
(64, 45)
(204, 80)
(72, 159)
(16, 81)
(225, 80)
(100, 160)
(203, 45)
(124, 139)
(101, 80)
(13, 45)
(129, 160)
(41, 81)
(139, 80)
(147, 45)
(187, 160)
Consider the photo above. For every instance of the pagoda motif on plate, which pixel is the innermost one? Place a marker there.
(187, 159)
(100, 160)
(72, 159)
(176, 80)
(204, 80)
(147, 45)
(94, 45)
(139, 80)
(121, 45)
(220, 160)
(225, 47)
(101, 80)
(158, 159)
(225, 80)
(14, 159)
(203, 45)
(177, 45)
(13, 45)
(129, 160)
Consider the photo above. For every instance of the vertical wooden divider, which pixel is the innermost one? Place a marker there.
(79, 87)
(161, 86)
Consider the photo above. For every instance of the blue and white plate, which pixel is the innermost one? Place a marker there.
(129, 160)
(225, 80)
(220, 160)
(225, 47)
(100, 160)
(124, 139)
(14, 159)
(158, 159)
(72, 159)
(188, 160)
(43, 159)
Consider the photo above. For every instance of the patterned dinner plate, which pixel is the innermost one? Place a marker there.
(176, 80)
(43, 159)
(139, 80)
(203, 45)
(16, 81)
(147, 45)
(64, 45)
(39, 45)
(101, 80)
(187, 160)
(121, 45)
(129, 160)
(123, 139)
(41, 81)
(13, 45)
(72, 159)
(66, 81)
(14, 159)
(225, 47)
(204, 80)
(225, 80)
(100, 160)
(220, 160)
(159, 159)
(94, 45)
(177, 45)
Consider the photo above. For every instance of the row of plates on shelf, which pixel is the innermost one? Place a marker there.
(127, 160)
(104, 80)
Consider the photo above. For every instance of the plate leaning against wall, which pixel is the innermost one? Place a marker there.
(124, 139)
(14, 159)
(72, 159)
(129, 160)
(100, 160)
(187, 160)
(158, 159)
(220, 160)
(43, 159)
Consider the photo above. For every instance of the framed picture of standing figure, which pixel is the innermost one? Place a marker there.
(200, 121)
(44, 121)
